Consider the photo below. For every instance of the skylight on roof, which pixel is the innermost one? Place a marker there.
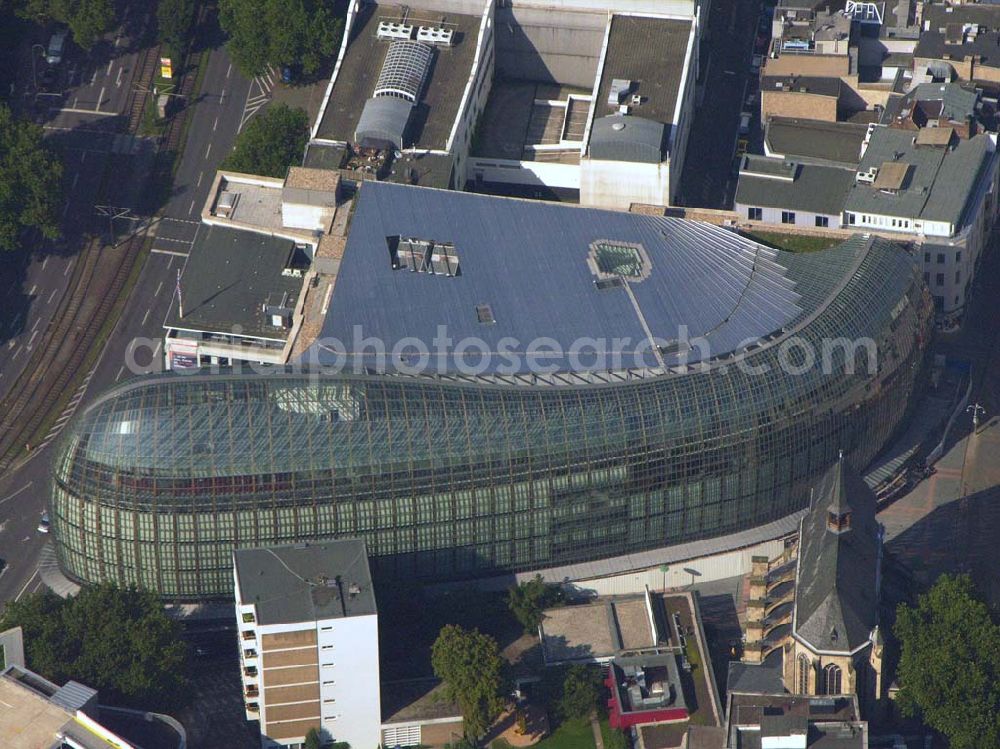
(625, 260)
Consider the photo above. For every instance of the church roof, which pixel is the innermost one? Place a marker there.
(836, 600)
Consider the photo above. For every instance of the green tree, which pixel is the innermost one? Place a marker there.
(528, 600)
(470, 665)
(30, 181)
(174, 20)
(87, 19)
(117, 640)
(280, 32)
(580, 692)
(312, 740)
(949, 666)
(271, 142)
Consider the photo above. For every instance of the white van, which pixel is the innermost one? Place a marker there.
(57, 45)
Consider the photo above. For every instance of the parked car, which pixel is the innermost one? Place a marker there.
(741, 147)
(43, 523)
(745, 118)
(47, 79)
(756, 61)
(57, 47)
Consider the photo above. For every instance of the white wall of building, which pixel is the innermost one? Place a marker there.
(618, 184)
(774, 216)
(680, 574)
(538, 173)
(474, 97)
(349, 688)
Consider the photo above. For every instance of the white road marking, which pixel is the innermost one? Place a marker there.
(199, 179)
(52, 295)
(76, 99)
(229, 70)
(45, 262)
(118, 82)
(37, 320)
(65, 210)
(156, 351)
(169, 263)
(18, 596)
(191, 210)
(93, 78)
(100, 99)
(144, 318)
(76, 178)
(15, 353)
(158, 288)
(11, 496)
(97, 110)
(158, 251)
(208, 150)
(68, 266)
(215, 124)
(119, 375)
(33, 290)
(110, 63)
(32, 339)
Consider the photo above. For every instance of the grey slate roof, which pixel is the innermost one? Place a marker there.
(939, 19)
(297, 583)
(836, 601)
(938, 185)
(383, 122)
(755, 678)
(229, 275)
(814, 189)
(627, 138)
(649, 52)
(73, 696)
(528, 261)
(815, 140)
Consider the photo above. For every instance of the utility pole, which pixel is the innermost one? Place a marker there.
(113, 212)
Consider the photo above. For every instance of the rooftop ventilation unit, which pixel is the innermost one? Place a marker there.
(867, 177)
(436, 35)
(394, 30)
(620, 88)
(226, 204)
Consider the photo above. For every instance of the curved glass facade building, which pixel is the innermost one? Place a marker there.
(449, 477)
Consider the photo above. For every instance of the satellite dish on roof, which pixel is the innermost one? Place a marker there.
(618, 126)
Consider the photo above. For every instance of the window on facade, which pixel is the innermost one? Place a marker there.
(832, 679)
(822, 221)
(788, 217)
(803, 674)
(851, 219)
(927, 257)
(958, 276)
(940, 279)
(940, 258)
(755, 214)
(958, 257)
(927, 278)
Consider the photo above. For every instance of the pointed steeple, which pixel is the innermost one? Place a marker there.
(838, 517)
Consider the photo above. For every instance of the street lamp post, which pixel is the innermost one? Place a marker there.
(976, 410)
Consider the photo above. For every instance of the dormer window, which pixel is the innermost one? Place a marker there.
(838, 522)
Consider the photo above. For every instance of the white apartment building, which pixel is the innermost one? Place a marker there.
(308, 637)
(935, 190)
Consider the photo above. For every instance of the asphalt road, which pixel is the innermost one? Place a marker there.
(216, 116)
(79, 103)
(708, 178)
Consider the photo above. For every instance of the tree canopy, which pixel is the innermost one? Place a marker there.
(470, 665)
(312, 740)
(174, 20)
(528, 600)
(949, 667)
(87, 19)
(116, 640)
(271, 142)
(580, 692)
(30, 181)
(280, 32)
